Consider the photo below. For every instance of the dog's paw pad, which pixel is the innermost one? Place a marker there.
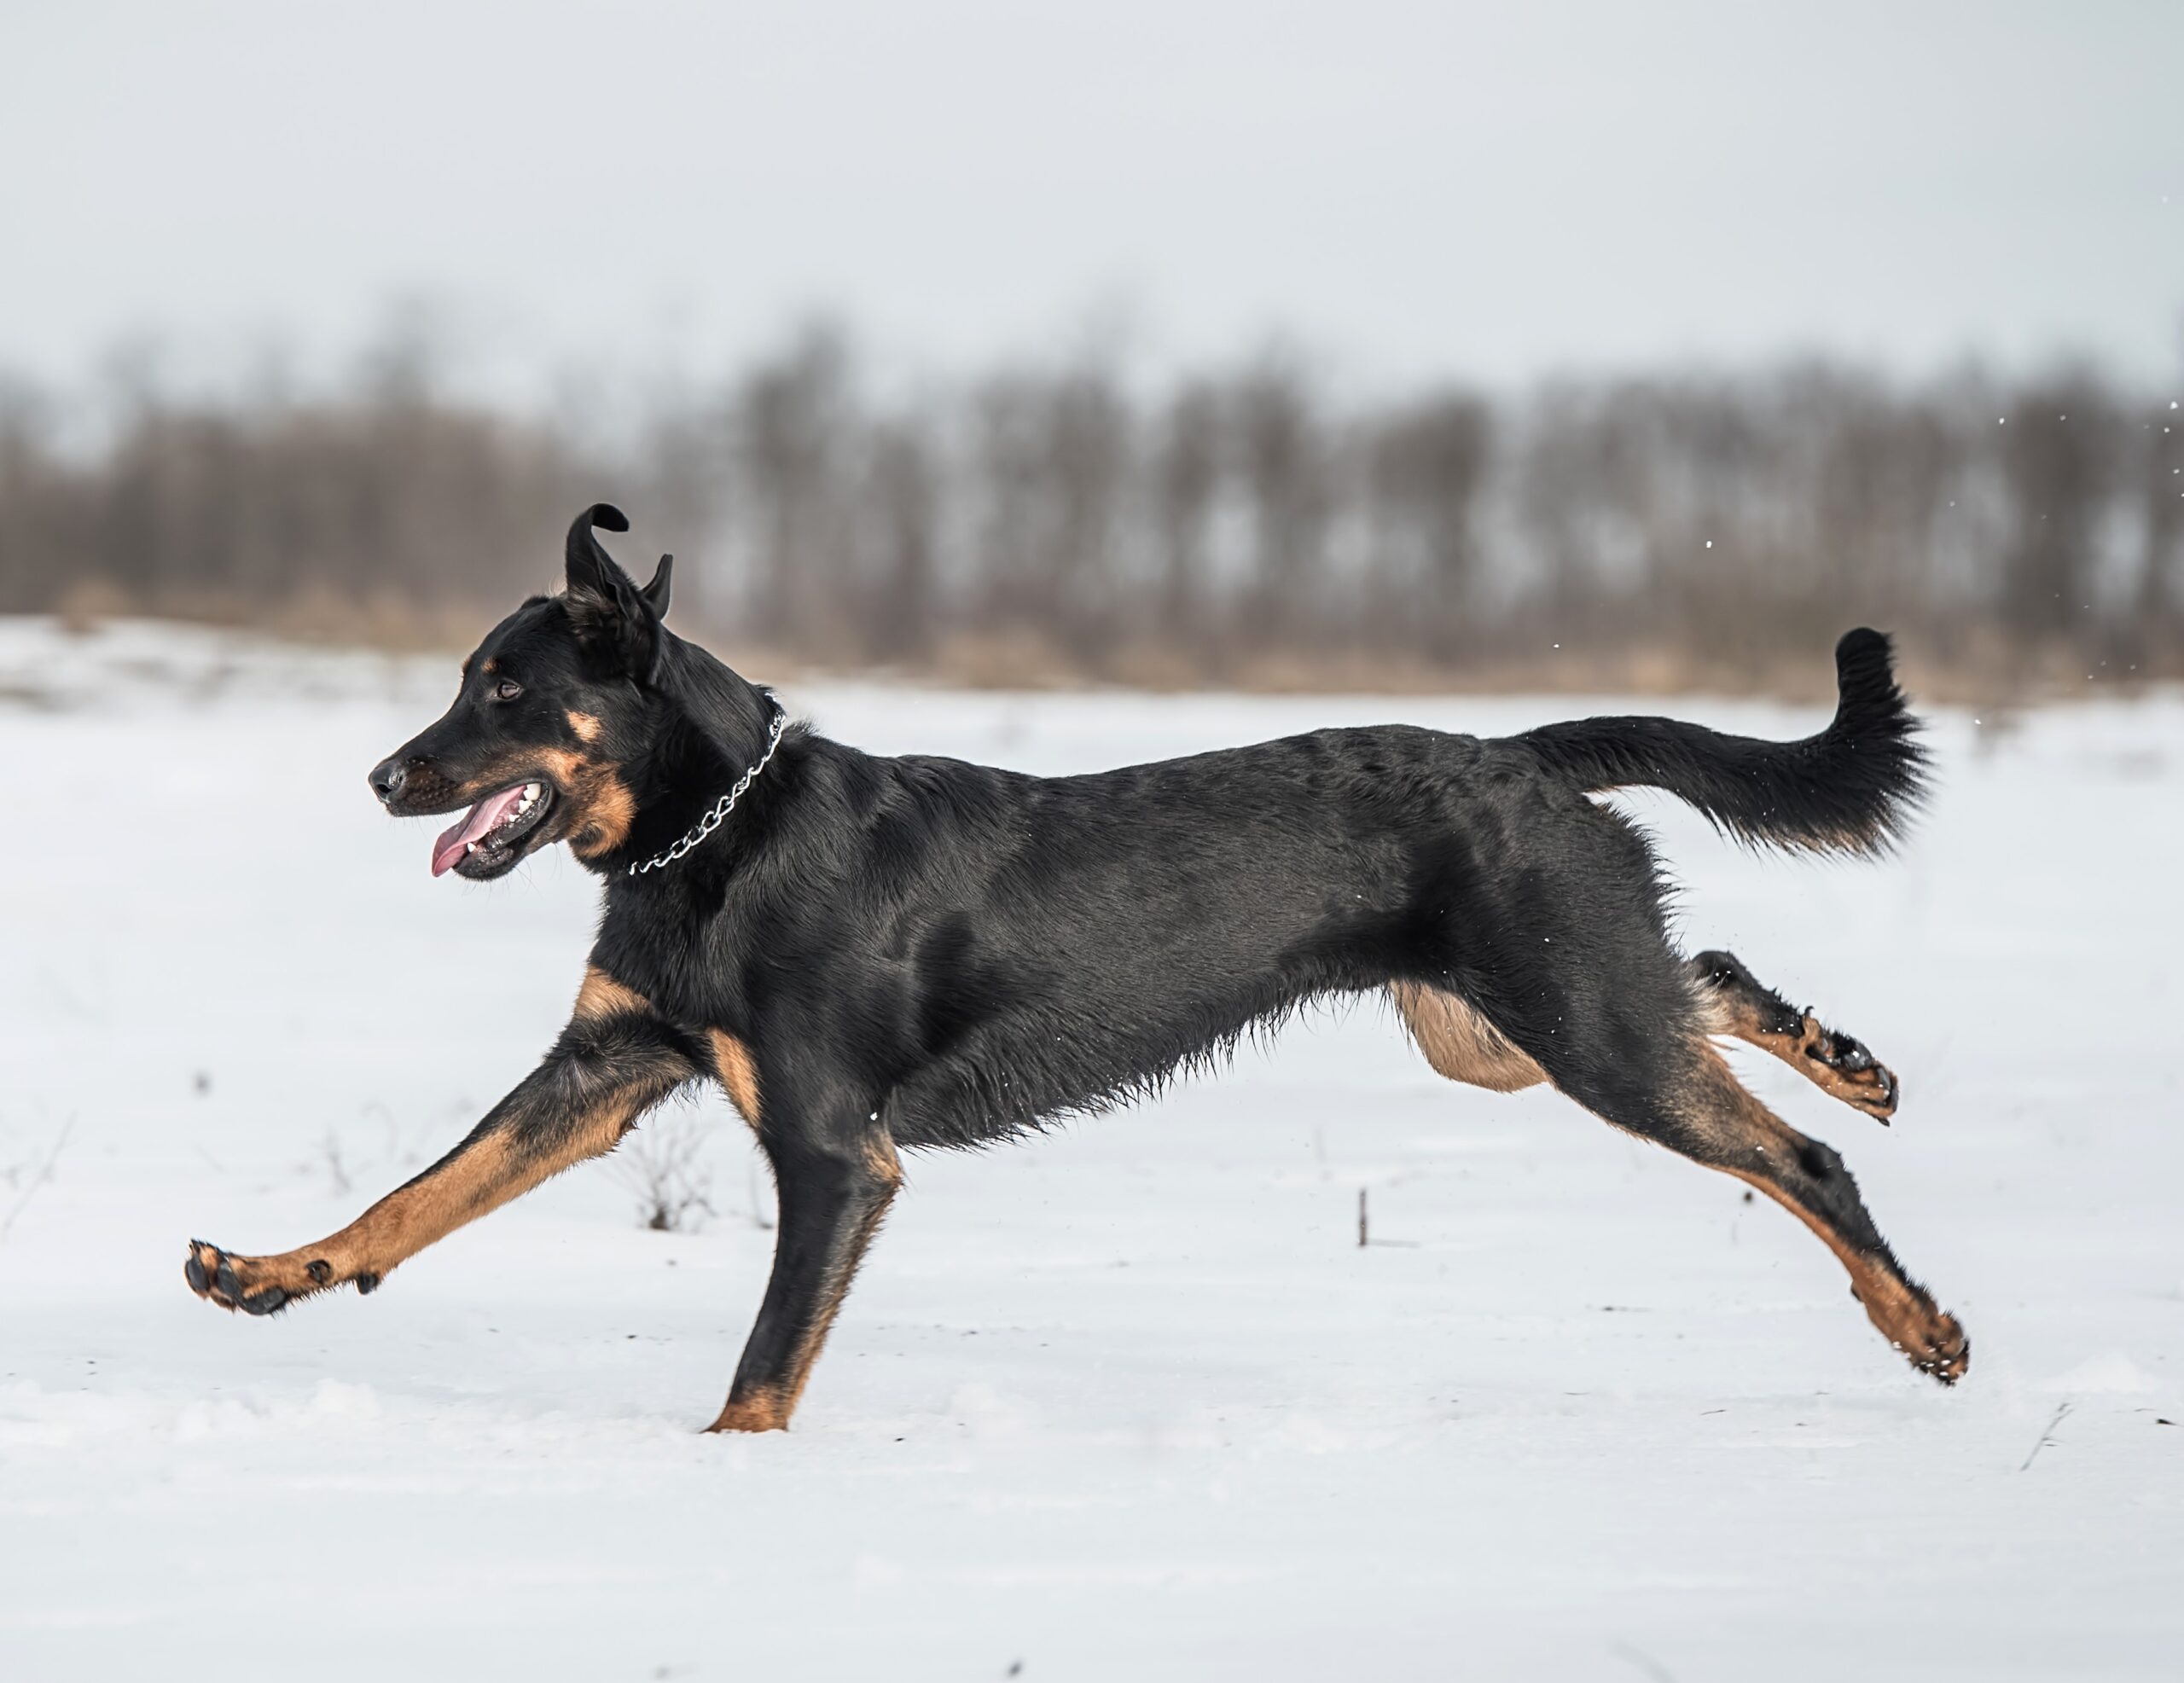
(1944, 1353)
(211, 1273)
(219, 1278)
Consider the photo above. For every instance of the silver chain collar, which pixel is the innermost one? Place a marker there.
(713, 820)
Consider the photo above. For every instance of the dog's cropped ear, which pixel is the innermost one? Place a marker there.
(612, 616)
(663, 578)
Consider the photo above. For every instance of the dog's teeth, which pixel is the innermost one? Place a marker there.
(531, 792)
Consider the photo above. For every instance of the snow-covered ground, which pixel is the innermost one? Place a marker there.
(1127, 1401)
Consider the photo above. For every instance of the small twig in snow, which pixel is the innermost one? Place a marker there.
(2048, 1436)
(662, 1168)
(1644, 1661)
(333, 1164)
(39, 1176)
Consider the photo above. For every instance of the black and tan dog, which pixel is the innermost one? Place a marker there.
(872, 954)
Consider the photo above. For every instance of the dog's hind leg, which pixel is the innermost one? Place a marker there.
(1702, 1112)
(1722, 1125)
(612, 1063)
(833, 1196)
(1736, 1004)
(1576, 973)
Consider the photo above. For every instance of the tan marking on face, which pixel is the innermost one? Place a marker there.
(1460, 1043)
(608, 815)
(586, 726)
(489, 668)
(599, 805)
(739, 1073)
(602, 808)
(601, 996)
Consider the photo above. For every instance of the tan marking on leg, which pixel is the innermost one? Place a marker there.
(586, 726)
(1909, 1318)
(1814, 1052)
(1840, 1066)
(601, 996)
(739, 1073)
(1460, 1043)
(477, 1179)
(880, 1151)
(769, 1407)
(881, 1161)
(764, 1410)
(1764, 1151)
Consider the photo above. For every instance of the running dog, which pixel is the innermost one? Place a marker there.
(872, 954)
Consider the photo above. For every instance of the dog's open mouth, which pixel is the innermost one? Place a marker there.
(489, 838)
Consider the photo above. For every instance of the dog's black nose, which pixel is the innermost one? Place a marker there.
(387, 778)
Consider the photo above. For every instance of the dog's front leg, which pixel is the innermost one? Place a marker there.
(832, 1194)
(608, 1068)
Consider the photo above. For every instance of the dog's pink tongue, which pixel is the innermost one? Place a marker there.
(456, 839)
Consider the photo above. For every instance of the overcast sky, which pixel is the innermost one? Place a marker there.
(1417, 190)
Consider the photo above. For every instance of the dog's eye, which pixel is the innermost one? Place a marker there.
(506, 690)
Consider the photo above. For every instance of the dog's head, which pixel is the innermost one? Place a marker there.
(557, 704)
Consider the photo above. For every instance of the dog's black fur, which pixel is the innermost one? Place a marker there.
(875, 953)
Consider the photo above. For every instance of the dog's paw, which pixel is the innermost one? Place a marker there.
(1849, 1071)
(1942, 1352)
(262, 1284)
(232, 1282)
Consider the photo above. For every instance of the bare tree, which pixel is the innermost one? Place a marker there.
(906, 494)
(2160, 560)
(1428, 465)
(1284, 459)
(1186, 465)
(2056, 459)
(791, 418)
(1710, 522)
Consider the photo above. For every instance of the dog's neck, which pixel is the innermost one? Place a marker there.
(733, 714)
(719, 724)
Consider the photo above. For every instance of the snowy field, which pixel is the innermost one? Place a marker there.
(1125, 1401)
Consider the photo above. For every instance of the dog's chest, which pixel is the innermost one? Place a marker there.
(675, 972)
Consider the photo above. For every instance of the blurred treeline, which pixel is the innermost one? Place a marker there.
(1242, 526)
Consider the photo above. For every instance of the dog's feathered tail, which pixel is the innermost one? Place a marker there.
(1853, 788)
